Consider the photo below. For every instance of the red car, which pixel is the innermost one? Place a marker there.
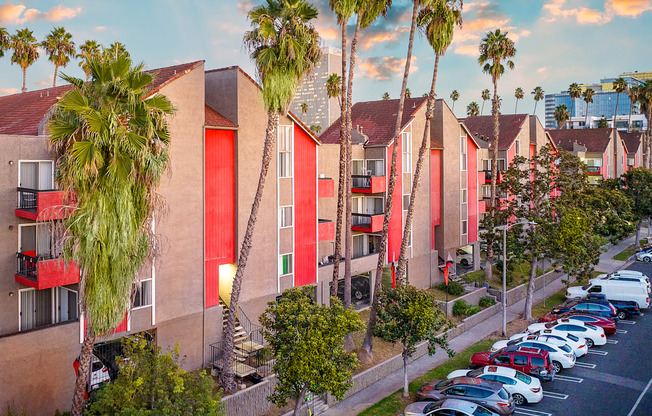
(608, 324)
(533, 361)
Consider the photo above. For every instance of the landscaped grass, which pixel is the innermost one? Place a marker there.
(520, 274)
(553, 300)
(625, 254)
(395, 403)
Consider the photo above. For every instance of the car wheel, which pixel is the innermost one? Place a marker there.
(589, 342)
(622, 315)
(464, 262)
(647, 259)
(519, 399)
(556, 367)
(358, 294)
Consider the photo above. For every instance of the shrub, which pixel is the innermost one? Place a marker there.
(473, 309)
(460, 307)
(487, 301)
(454, 288)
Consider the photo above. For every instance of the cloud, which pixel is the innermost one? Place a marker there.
(468, 50)
(630, 8)
(100, 28)
(245, 5)
(525, 33)
(542, 69)
(8, 91)
(472, 5)
(17, 14)
(47, 82)
(328, 33)
(582, 15)
(233, 28)
(10, 13)
(384, 68)
(374, 39)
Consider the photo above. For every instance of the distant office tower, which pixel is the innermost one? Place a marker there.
(603, 105)
(321, 111)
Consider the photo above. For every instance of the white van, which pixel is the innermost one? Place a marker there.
(627, 276)
(614, 290)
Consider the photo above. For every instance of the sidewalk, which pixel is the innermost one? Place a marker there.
(607, 264)
(383, 388)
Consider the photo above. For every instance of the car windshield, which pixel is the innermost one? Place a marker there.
(443, 384)
(590, 326)
(475, 373)
(551, 324)
(566, 348)
(503, 394)
(586, 287)
(481, 411)
(523, 377)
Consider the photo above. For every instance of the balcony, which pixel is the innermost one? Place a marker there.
(482, 208)
(367, 184)
(487, 176)
(326, 188)
(369, 223)
(44, 273)
(326, 230)
(42, 205)
(594, 170)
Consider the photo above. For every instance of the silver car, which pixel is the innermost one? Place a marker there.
(449, 407)
(490, 394)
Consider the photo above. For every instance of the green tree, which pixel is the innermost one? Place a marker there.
(561, 115)
(588, 98)
(644, 97)
(620, 86)
(334, 87)
(636, 184)
(603, 123)
(59, 46)
(610, 210)
(454, 97)
(25, 48)
(538, 96)
(90, 50)
(304, 108)
(315, 128)
(495, 49)
(574, 91)
(485, 95)
(115, 50)
(472, 109)
(385, 96)
(518, 94)
(307, 342)
(285, 48)
(576, 245)
(152, 383)
(4, 41)
(111, 151)
(408, 93)
(408, 315)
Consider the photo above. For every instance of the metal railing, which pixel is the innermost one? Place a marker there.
(361, 181)
(26, 266)
(593, 169)
(27, 198)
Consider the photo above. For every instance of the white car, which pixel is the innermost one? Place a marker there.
(577, 344)
(523, 388)
(592, 334)
(643, 256)
(99, 373)
(628, 276)
(561, 354)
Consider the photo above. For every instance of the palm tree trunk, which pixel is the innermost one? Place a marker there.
(586, 117)
(81, 381)
(367, 344)
(529, 298)
(516, 107)
(571, 112)
(613, 124)
(535, 107)
(228, 374)
(647, 139)
(629, 122)
(453, 109)
(54, 81)
(488, 268)
(337, 255)
(482, 109)
(24, 79)
(402, 258)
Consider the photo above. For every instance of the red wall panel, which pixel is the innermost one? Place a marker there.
(472, 190)
(305, 208)
(435, 192)
(219, 197)
(395, 232)
(122, 326)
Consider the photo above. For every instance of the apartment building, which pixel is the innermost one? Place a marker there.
(634, 149)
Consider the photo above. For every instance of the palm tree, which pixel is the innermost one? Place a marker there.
(485, 95)
(334, 87)
(88, 51)
(111, 149)
(275, 25)
(561, 115)
(4, 41)
(574, 91)
(454, 96)
(538, 96)
(495, 49)
(304, 108)
(60, 47)
(385, 96)
(644, 95)
(25, 48)
(588, 98)
(115, 50)
(620, 86)
(519, 94)
(315, 128)
(408, 93)
(472, 109)
(632, 93)
(603, 123)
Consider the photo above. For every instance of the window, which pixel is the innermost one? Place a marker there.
(143, 293)
(36, 174)
(503, 359)
(538, 362)
(358, 167)
(463, 153)
(375, 167)
(595, 289)
(285, 264)
(456, 391)
(285, 216)
(37, 308)
(477, 392)
(518, 145)
(406, 202)
(486, 164)
(464, 196)
(520, 359)
(285, 151)
(465, 227)
(486, 191)
(406, 142)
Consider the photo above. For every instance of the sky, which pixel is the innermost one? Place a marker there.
(557, 41)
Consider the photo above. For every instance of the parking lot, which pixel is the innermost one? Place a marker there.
(614, 379)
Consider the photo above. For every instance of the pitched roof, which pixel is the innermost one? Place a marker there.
(21, 113)
(632, 141)
(215, 119)
(377, 120)
(482, 127)
(595, 140)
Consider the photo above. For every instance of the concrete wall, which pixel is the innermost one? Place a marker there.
(520, 292)
(252, 401)
(471, 298)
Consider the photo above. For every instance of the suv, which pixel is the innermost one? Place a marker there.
(561, 354)
(533, 361)
(486, 392)
(594, 307)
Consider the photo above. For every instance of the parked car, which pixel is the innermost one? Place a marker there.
(594, 307)
(614, 290)
(523, 388)
(561, 354)
(448, 407)
(577, 344)
(607, 324)
(627, 276)
(360, 288)
(592, 334)
(645, 256)
(465, 258)
(99, 373)
(532, 361)
(488, 393)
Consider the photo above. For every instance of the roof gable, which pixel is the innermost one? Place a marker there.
(510, 125)
(594, 140)
(632, 141)
(215, 119)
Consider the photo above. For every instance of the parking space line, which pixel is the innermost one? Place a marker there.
(642, 314)
(612, 341)
(602, 353)
(622, 321)
(554, 395)
(621, 331)
(530, 412)
(631, 412)
(569, 379)
(584, 365)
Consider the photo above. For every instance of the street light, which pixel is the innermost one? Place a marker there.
(504, 229)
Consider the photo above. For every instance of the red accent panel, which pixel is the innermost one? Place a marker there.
(482, 207)
(603, 169)
(52, 273)
(326, 230)
(326, 188)
(305, 208)
(50, 205)
(122, 326)
(435, 192)
(378, 185)
(395, 232)
(472, 190)
(219, 196)
(375, 226)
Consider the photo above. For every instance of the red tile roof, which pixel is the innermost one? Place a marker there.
(21, 113)
(595, 140)
(377, 120)
(215, 119)
(632, 141)
(482, 127)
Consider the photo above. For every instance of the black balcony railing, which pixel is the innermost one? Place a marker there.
(362, 220)
(593, 169)
(26, 266)
(361, 181)
(27, 199)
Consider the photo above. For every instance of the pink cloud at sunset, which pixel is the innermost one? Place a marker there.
(19, 14)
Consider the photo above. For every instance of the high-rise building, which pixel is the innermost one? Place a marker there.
(320, 110)
(603, 105)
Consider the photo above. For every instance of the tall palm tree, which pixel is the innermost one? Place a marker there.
(495, 49)
(588, 98)
(4, 41)
(538, 96)
(454, 97)
(315, 128)
(385, 96)
(485, 95)
(25, 48)
(519, 94)
(473, 109)
(575, 92)
(88, 51)
(561, 115)
(408, 93)
(115, 50)
(620, 86)
(632, 93)
(280, 67)
(334, 87)
(304, 108)
(644, 95)
(112, 150)
(59, 46)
